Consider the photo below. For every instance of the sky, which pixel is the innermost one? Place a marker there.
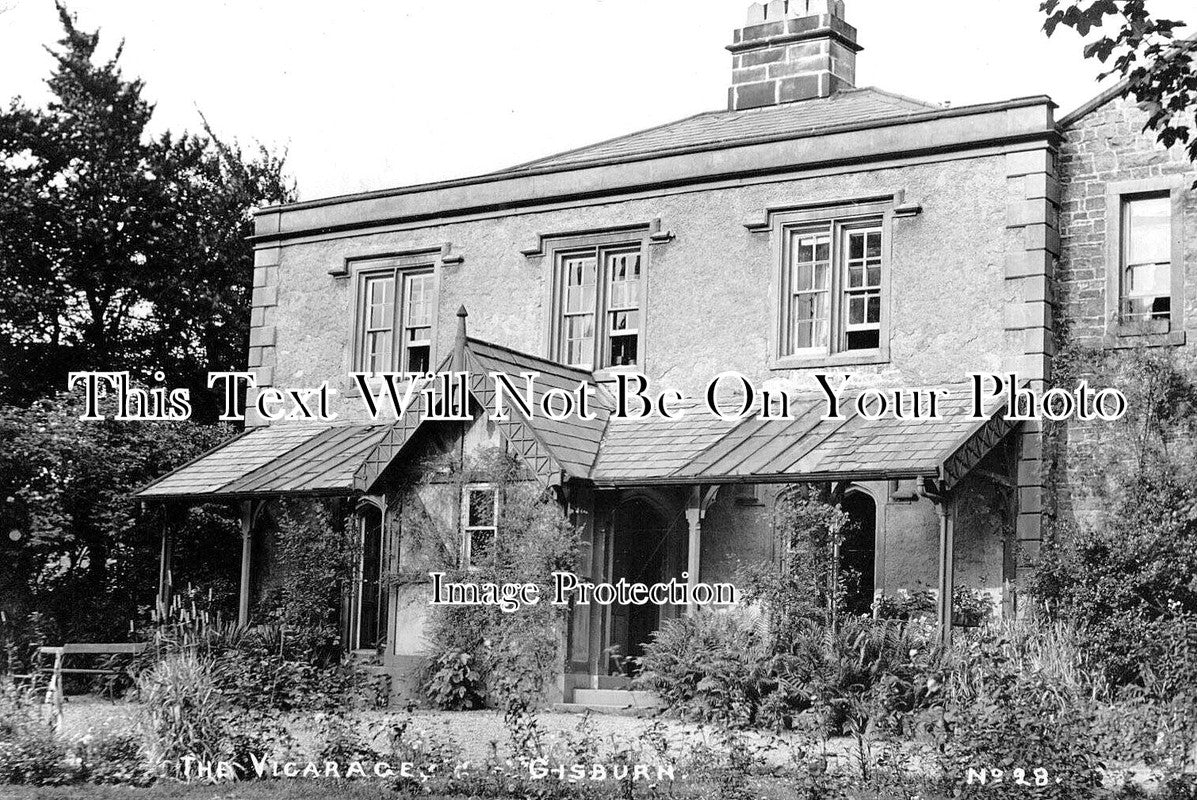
(369, 95)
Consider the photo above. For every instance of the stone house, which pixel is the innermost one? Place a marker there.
(811, 227)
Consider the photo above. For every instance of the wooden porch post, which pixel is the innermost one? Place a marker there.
(694, 547)
(247, 519)
(164, 562)
(947, 545)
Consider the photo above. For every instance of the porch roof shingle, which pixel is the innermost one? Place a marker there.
(288, 458)
(697, 447)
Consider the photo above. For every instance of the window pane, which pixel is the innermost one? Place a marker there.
(378, 351)
(579, 284)
(864, 340)
(856, 249)
(418, 358)
(1149, 230)
(856, 310)
(623, 350)
(874, 245)
(1148, 279)
(874, 309)
(625, 321)
(579, 339)
(419, 301)
(482, 544)
(481, 508)
(809, 321)
(624, 272)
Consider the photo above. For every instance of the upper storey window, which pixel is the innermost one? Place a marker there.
(599, 306)
(832, 288)
(396, 306)
(597, 294)
(1145, 260)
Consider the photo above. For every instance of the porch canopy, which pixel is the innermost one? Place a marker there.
(698, 450)
(273, 461)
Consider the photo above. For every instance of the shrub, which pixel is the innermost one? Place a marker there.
(705, 666)
(182, 713)
(1007, 715)
(315, 554)
(30, 751)
(1125, 575)
(905, 605)
(882, 673)
(35, 757)
(114, 758)
(455, 683)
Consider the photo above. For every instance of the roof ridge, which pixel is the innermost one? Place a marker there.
(900, 96)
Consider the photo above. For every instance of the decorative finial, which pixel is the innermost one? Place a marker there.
(460, 342)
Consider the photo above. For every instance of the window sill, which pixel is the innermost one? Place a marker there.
(834, 360)
(1123, 339)
(607, 374)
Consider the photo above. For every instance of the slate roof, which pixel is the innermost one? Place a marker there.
(695, 447)
(702, 448)
(285, 458)
(846, 108)
(574, 442)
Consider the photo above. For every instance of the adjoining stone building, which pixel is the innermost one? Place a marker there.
(811, 227)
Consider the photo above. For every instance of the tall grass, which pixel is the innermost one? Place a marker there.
(182, 713)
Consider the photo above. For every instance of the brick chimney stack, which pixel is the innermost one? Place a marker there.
(791, 50)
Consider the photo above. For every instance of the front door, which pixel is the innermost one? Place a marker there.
(639, 556)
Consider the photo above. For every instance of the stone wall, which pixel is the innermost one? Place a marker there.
(1105, 146)
(707, 301)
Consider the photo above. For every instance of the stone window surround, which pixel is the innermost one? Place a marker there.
(779, 222)
(1117, 335)
(400, 262)
(555, 245)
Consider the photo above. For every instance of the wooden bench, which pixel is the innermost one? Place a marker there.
(54, 693)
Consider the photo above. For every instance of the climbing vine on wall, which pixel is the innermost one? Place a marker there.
(480, 652)
(803, 585)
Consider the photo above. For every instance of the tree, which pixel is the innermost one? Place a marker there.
(75, 546)
(1158, 68)
(119, 250)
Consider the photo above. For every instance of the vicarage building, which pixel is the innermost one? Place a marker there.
(812, 225)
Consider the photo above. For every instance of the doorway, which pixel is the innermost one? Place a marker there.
(858, 552)
(640, 537)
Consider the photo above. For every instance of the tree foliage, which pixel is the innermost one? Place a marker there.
(1141, 49)
(118, 249)
(75, 545)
